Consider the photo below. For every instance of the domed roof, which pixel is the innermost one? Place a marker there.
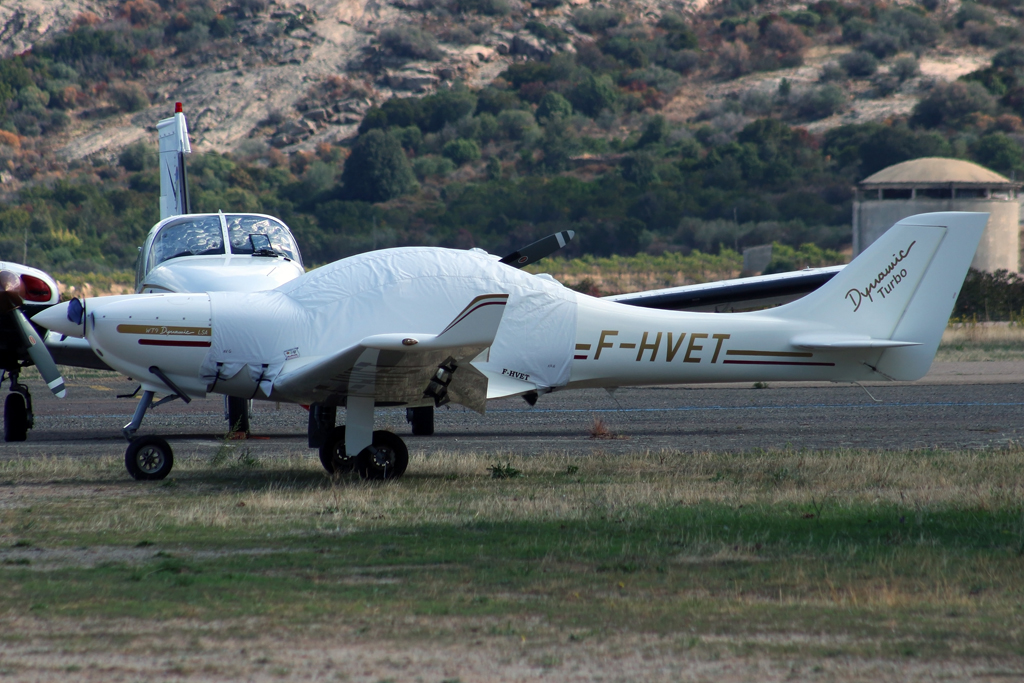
(936, 171)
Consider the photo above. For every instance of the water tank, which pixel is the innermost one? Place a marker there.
(937, 184)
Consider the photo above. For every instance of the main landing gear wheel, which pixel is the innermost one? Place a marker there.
(148, 458)
(386, 458)
(422, 420)
(332, 453)
(238, 415)
(15, 418)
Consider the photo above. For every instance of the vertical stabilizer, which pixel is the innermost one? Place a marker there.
(173, 132)
(901, 288)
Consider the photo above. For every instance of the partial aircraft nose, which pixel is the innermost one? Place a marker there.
(64, 318)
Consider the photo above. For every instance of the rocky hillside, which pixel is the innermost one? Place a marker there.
(649, 125)
(300, 73)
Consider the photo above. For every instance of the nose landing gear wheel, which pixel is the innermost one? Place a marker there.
(332, 453)
(386, 458)
(15, 418)
(148, 458)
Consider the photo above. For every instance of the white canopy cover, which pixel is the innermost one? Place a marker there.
(414, 290)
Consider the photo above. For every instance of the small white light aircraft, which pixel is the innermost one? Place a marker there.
(425, 326)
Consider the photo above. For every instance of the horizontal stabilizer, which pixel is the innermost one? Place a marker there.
(839, 342)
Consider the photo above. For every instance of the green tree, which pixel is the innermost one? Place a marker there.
(461, 151)
(377, 170)
(553, 105)
(593, 94)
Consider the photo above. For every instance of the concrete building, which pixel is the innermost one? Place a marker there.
(936, 184)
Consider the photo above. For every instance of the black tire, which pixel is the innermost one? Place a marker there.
(332, 453)
(387, 458)
(148, 458)
(422, 420)
(238, 414)
(15, 418)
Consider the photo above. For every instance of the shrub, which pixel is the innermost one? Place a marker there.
(681, 61)
(593, 94)
(135, 157)
(905, 68)
(461, 151)
(734, 59)
(818, 103)
(517, 124)
(129, 97)
(859, 63)
(409, 41)
(785, 37)
(1000, 152)
(461, 35)
(552, 34)
(488, 7)
(431, 165)
(595, 20)
(192, 39)
(377, 170)
(832, 72)
(638, 168)
(656, 77)
(1009, 58)
(553, 105)
(951, 103)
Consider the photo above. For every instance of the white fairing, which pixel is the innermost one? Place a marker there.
(410, 290)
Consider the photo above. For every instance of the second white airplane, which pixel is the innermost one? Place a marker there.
(425, 326)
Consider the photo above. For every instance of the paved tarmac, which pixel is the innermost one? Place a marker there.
(958, 405)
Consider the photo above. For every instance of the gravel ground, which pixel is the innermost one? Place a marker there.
(959, 405)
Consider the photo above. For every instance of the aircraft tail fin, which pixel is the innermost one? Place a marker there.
(902, 289)
(174, 145)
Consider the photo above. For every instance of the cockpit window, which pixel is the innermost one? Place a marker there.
(241, 230)
(193, 237)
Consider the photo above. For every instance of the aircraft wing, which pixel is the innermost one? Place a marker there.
(405, 368)
(729, 296)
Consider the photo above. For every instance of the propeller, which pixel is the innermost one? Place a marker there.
(539, 249)
(12, 295)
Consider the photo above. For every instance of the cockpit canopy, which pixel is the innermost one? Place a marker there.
(216, 234)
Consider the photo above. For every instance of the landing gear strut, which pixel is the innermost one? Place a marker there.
(150, 457)
(238, 414)
(422, 420)
(384, 457)
(18, 417)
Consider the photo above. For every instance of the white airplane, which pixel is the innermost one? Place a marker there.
(425, 326)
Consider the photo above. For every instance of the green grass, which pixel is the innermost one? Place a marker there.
(890, 554)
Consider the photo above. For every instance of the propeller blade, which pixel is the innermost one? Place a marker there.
(39, 354)
(539, 249)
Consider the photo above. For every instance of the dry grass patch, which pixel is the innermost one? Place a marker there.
(982, 342)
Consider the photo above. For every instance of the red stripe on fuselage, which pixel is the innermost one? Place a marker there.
(168, 342)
